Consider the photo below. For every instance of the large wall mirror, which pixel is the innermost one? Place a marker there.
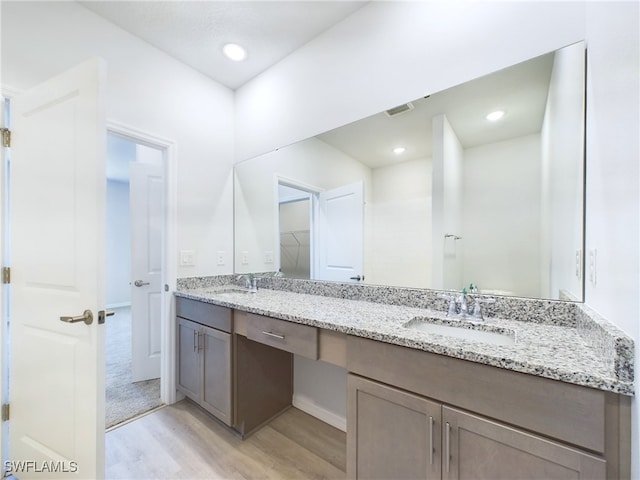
(482, 183)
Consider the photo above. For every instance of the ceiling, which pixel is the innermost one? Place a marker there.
(520, 90)
(195, 31)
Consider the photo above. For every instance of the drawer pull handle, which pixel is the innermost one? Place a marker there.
(447, 444)
(275, 335)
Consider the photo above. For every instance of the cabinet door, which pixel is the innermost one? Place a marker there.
(391, 434)
(189, 371)
(216, 391)
(481, 449)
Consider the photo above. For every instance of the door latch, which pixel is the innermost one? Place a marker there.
(102, 316)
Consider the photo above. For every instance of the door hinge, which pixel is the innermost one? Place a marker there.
(5, 412)
(6, 137)
(6, 275)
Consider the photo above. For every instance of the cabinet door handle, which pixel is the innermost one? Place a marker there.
(200, 343)
(195, 341)
(430, 440)
(447, 444)
(275, 335)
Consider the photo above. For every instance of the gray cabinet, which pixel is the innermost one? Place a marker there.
(585, 429)
(189, 359)
(216, 373)
(204, 366)
(391, 434)
(395, 434)
(479, 448)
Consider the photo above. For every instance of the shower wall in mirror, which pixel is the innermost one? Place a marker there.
(450, 197)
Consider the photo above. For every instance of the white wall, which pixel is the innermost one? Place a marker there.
(613, 185)
(501, 212)
(389, 53)
(310, 380)
(147, 90)
(562, 177)
(399, 250)
(118, 245)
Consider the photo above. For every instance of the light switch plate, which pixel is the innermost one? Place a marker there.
(245, 258)
(593, 257)
(221, 258)
(579, 264)
(187, 258)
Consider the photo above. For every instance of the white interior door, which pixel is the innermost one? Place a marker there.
(340, 234)
(146, 199)
(58, 190)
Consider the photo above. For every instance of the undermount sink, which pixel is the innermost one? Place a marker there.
(230, 290)
(464, 330)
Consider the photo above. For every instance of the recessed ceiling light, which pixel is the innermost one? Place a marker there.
(495, 116)
(234, 52)
(399, 150)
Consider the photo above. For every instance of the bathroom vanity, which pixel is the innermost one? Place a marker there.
(420, 404)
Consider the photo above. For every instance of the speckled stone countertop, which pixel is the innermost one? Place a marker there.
(577, 348)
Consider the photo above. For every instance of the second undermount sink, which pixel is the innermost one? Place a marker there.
(464, 330)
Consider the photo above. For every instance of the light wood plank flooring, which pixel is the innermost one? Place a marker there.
(183, 442)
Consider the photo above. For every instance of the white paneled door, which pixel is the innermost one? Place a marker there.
(57, 215)
(340, 234)
(146, 197)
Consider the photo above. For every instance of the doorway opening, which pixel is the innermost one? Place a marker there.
(295, 212)
(134, 216)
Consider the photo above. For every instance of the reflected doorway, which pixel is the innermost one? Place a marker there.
(321, 233)
(295, 211)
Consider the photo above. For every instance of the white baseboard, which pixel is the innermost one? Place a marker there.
(307, 405)
(118, 305)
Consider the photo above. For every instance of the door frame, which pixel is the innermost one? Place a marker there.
(5, 93)
(169, 246)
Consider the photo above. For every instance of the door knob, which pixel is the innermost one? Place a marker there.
(86, 317)
(140, 283)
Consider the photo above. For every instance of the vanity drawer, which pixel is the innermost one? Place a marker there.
(204, 313)
(292, 337)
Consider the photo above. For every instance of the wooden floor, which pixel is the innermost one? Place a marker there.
(182, 442)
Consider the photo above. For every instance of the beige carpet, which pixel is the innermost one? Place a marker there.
(124, 399)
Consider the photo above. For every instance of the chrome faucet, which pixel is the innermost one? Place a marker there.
(463, 300)
(250, 282)
(459, 304)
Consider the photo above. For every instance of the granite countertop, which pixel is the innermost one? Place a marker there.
(552, 351)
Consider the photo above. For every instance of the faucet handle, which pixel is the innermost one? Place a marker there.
(452, 303)
(477, 309)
